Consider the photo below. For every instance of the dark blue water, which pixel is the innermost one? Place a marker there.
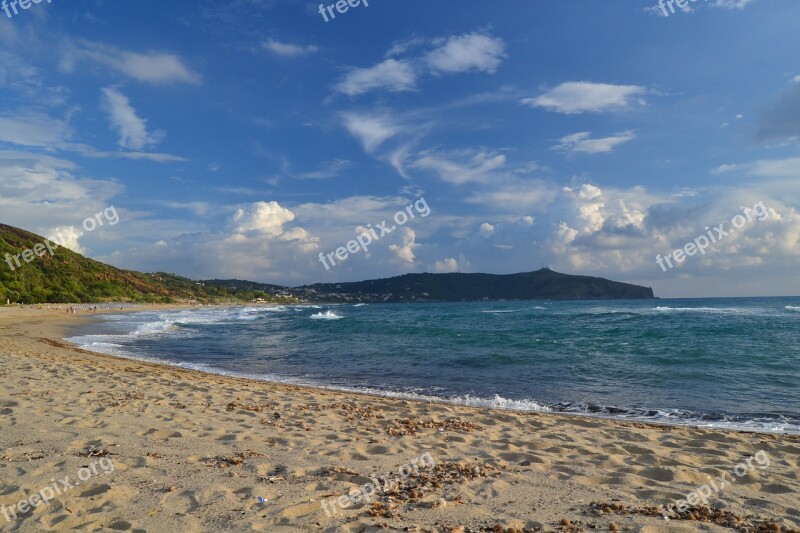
(708, 362)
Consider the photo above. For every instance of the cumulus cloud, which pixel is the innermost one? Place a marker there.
(67, 236)
(463, 53)
(586, 97)
(404, 250)
(487, 230)
(267, 218)
(132, 129)
(267, 241)
(445, 266)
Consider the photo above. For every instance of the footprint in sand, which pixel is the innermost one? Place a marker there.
(161, 434)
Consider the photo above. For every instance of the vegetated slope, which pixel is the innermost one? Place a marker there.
(67, 276)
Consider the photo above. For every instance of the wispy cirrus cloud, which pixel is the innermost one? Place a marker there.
(371, 130)
(288, 49)
(583, 143)
(328, 169)
(391, 75)
(131, 128)
(732, 4)
(586, 97)
(765, 168)
(460, 166)
(661, 8)
(34, 129)
(150, 67)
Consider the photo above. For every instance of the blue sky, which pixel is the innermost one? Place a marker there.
(240, 139)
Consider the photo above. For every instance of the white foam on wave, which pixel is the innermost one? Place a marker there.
(792, 308)
(721, 310)
(505, 311)
(154, 324)
(498, 402)
(326, 315)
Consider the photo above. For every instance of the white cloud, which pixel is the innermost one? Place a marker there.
(775, 168)
(583, 143)
(150, 67)
(460, 166)
(463, 53)
(88, 151)
(486, 230)
(796, 79)
(724, 168)
(391, 75)
(287, 49)
(328, 169)
(34, 129)
(401, 47)
(661, 8)
(584, 97)
(132, 129)
(732, 4)
(476, 52)
(517, 196)
(198, 208)
(765, 168)
(446, 266)
(405, 249)
(67, 236)
(370, 130)
(267, 218)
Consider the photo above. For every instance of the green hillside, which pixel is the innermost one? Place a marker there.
(69, 277)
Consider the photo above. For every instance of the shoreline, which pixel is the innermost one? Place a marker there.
(194, 451)
(403, 396)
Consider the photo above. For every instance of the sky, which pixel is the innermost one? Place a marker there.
(244, 138)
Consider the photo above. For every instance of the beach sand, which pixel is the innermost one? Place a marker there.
(195, 452)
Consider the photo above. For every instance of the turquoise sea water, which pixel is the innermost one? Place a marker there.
(708, 362)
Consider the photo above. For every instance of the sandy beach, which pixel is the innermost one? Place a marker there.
(133, 446)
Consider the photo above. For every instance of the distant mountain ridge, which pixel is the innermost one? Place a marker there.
(544, 284)
(66, 276)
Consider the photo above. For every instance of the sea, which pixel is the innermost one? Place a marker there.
(717, 363)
